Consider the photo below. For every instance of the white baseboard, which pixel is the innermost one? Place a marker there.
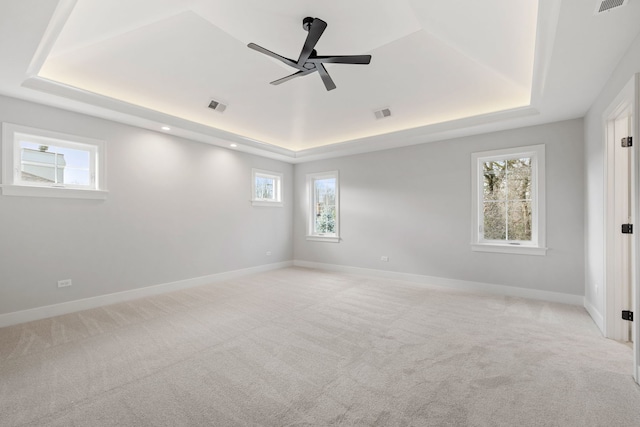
(595, 315)
(38, 313)
(450, 283)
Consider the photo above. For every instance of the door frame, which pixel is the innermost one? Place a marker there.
(627, 99)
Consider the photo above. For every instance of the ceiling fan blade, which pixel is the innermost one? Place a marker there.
(347, 59)
(292, 76)
(267, 52)
(326, 78)
(315, 31)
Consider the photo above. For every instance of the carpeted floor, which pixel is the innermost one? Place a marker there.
(309, 348)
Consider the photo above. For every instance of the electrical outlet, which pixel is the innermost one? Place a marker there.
(268, 253)
(64, 283)
(597, 289)
(384, 258)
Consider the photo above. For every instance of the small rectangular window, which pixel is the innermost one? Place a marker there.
(266, 188)
(38, 162)
(508, 202)
(324, 203)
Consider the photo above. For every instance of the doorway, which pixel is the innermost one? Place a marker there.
(621, 186)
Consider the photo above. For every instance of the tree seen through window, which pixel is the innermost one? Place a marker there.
(325, 205)
(265, 188)
(507, 208)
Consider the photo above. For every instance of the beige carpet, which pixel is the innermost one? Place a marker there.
(308, 348)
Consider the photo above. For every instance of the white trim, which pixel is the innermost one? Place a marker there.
(597, 317)
(64, 193)
(56, 24)
(85, 102)
(44, 312)
(627, 98)
(613, 325)
(635, 213)
(465, 285)
(89, 103)
(13, 185)
(318, 238)
(266, 203)
(278, 178)
(548, 16)
(508, 249)
(458, 128)
(538, 221)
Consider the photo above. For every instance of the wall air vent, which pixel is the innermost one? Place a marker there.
(217, 106)
(382, 114)
(608, 5)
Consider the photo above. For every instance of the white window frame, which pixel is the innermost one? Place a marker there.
(277, 191)
(14, 185)
(538, 206)
(311, 234)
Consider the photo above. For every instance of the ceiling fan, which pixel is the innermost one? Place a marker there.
(309, 61)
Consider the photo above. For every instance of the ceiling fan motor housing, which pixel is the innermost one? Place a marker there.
(306, 23)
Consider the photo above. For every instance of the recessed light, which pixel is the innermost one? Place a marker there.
(167, 128)
(233, 145)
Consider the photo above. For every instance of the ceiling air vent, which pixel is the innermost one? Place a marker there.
(607, 5)
(218, 106)
(382, 114)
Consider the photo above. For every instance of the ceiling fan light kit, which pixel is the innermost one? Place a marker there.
(309, 61)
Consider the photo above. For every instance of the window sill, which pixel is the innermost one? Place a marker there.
(330, 239)
(266, 203)
(509, 249)
(63, 193)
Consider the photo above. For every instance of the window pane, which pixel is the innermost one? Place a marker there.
(519, 179)
(325, 209)
(326, 220)
(494, 180)
(39, 173)
(77, 177)
(507, 199)
(519, 220)
(495, 221)
(326, 190)
(265, 188)
(56, 165)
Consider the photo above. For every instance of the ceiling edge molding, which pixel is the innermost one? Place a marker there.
(467, 126)
(51, 34)
(123, 112)
(548, 17)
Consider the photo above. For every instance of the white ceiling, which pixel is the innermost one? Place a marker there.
(445, 69)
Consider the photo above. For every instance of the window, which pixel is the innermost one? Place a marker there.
(508, 201)
(42, 163)
(266, 188)
(324, 206)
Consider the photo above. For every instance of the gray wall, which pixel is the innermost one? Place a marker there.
(594, 177)
(414, 205)
(176, 210)
(179, 209)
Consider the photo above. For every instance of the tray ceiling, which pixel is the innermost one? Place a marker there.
(444, 69)
(433, 62)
